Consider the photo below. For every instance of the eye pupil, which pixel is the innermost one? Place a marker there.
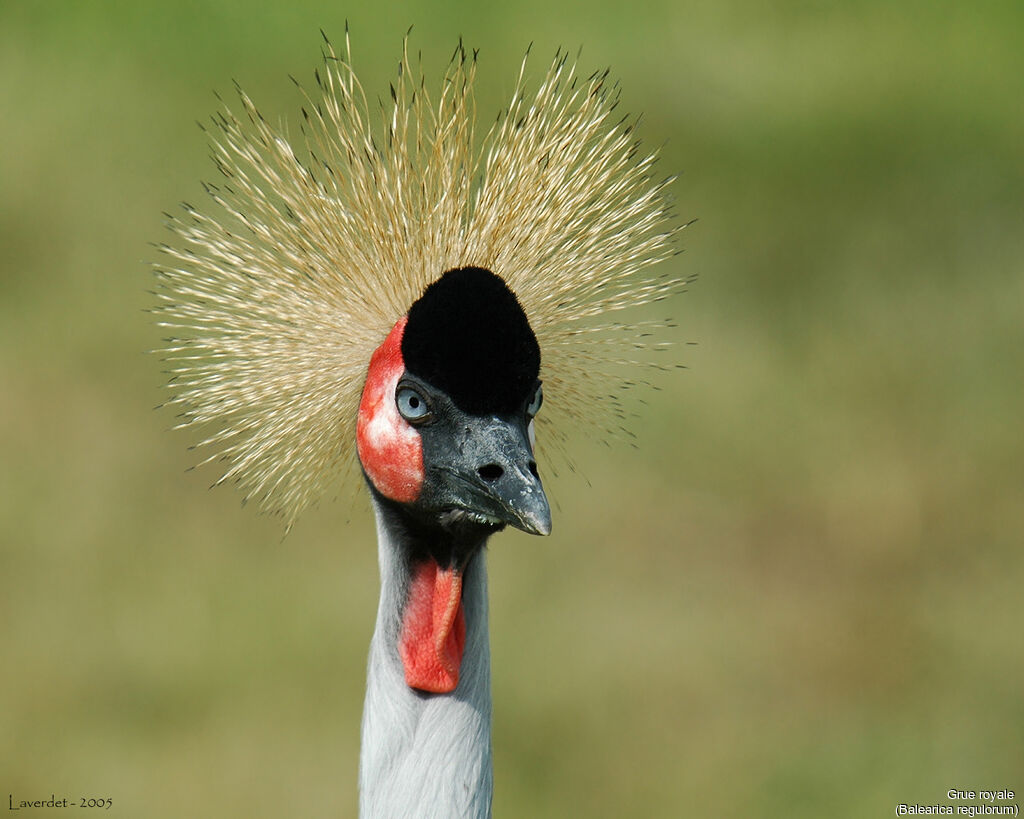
(414, 402)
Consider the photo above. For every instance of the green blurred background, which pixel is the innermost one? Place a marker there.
(801, 596)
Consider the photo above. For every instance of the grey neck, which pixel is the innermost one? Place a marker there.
(425, 755)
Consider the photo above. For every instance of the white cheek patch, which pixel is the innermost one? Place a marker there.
(386, 425)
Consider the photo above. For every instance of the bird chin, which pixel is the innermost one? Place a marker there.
(457, 517)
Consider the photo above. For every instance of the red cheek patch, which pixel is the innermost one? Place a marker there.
(390, 450)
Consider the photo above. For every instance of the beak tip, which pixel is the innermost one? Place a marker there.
(537, 521)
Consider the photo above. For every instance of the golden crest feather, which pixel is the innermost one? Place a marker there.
(277, 302)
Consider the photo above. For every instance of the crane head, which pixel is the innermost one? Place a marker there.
(276, 299)
(445, 424)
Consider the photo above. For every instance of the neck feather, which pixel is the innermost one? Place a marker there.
(425, 754)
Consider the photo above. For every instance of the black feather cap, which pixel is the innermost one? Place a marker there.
(468, 336)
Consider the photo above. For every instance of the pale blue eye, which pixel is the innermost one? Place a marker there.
(534, 406)
(412, 405)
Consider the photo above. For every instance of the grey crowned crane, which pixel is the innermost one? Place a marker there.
(393, 295)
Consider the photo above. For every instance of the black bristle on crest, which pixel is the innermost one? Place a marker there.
(468, 336)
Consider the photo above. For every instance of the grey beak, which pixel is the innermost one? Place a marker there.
(522, 497)
(496, 476)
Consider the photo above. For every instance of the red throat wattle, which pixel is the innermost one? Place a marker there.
(433, 629)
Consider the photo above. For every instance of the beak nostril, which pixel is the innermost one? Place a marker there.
(490, 473)
(533, 469)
